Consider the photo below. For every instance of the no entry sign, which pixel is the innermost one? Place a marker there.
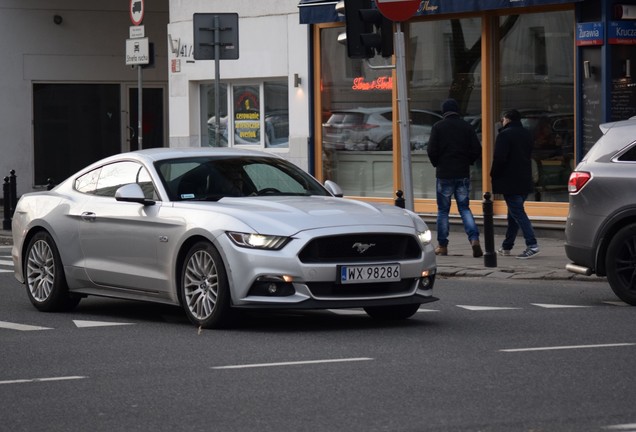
(398, 10)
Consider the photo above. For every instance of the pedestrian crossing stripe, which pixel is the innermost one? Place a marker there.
(558, 306)
(21, 327)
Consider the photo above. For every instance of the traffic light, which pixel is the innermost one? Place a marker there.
(368, 31)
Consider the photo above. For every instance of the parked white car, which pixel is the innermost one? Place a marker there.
(372, 129)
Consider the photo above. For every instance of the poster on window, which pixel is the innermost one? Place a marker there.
(247, 116)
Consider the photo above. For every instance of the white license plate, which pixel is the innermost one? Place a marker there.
(369, 273)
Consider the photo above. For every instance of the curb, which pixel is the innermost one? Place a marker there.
(510, 273)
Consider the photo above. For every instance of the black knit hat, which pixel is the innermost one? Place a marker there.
(450, 105)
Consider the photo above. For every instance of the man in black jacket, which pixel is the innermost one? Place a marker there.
(452, 148)
(511, 175)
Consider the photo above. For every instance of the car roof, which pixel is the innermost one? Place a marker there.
(152, 155)
(605, 127)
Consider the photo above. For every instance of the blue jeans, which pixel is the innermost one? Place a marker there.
(460, 188)
(517, 218)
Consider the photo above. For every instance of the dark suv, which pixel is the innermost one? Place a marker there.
(600, 234)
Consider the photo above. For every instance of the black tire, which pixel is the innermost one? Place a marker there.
(620, 264)
(204, 287)
(398, 312)
(44, 276)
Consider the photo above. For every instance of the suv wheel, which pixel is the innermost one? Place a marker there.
(620, 263)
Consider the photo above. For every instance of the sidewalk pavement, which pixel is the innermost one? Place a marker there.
(548, 265)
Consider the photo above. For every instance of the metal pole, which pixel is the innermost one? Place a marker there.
(217, 84)
(490, 256)
(6, 200)
(403, 113)
(139, 108)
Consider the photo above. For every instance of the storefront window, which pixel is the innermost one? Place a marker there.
(276, 114)
(257, 115)
(213, 133)
(536, 77)
(357, 120)
(446, 63)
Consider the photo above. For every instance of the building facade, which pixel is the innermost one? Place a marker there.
(68, 97)
(565, 65)
(291, 89)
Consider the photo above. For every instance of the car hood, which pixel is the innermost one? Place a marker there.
(289, 215)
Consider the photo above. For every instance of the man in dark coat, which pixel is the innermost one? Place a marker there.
(511, 175)
(452, 148)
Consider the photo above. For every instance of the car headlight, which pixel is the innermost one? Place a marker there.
(425, 237)
(258, 241)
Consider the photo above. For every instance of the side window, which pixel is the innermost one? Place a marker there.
(88, 182)
(106, 180)
(629, 155)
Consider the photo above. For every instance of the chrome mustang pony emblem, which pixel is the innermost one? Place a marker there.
(362, 247)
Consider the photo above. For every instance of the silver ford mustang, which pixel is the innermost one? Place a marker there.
(215, 230)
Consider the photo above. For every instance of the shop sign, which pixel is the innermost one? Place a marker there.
(589, 34)
(380, 83)
(622, 33)
(247, 117)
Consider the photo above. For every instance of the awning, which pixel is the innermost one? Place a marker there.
(321, 11)
(318, 11)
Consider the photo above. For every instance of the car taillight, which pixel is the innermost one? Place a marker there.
(577, 180)
(366, 126)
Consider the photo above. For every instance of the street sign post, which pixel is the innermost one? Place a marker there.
(137, 57)
(216, 38)
(398, 11)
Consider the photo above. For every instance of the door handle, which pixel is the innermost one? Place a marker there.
(89, 216)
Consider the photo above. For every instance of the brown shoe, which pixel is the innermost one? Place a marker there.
(441, 250)
(477, 252)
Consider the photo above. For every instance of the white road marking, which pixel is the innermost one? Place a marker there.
(85, 324)
(6, 271)
(557, 306)
(21, 327)
(33, 380)
(565, 347)
(616, 303)
(361, 312)
(6, 262)
(485, 308)
(245, 366)
(347, 311)
(627, 426)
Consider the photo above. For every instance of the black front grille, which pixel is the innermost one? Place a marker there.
(334, 290)
(361, 247)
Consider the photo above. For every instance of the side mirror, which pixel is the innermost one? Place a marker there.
(132, 193)
(334, 189)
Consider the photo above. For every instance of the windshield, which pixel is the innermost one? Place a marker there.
(213, 178)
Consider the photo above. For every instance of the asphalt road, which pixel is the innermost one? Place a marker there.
(491, 355)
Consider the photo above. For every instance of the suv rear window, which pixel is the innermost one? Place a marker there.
(629, 155)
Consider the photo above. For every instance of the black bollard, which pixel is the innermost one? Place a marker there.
(400, 201)
(13, 191)
(490, 256)
(6, 221)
